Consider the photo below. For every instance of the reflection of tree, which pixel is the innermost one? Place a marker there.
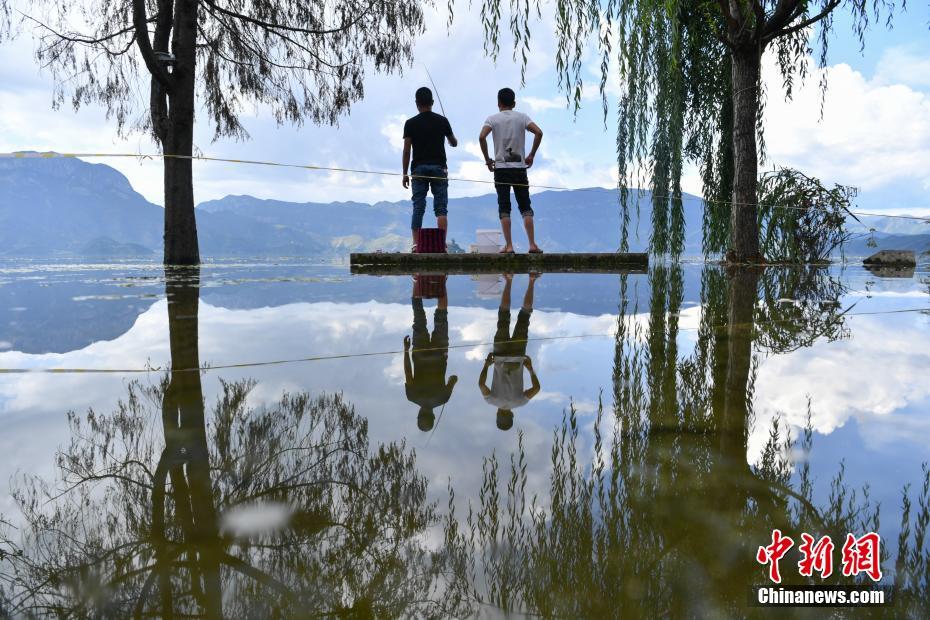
(248, 512)
(798, 306)
(665, 518)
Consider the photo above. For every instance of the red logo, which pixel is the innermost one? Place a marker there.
(861, 555)
(773, 553)
(816, 557)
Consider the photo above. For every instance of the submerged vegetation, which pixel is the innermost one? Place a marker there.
(801, 220)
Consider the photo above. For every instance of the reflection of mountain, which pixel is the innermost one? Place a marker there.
(71, 310)
(55, 317)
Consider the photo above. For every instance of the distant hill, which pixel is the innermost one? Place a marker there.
(69, 207)
(72, 208)
(582, 220)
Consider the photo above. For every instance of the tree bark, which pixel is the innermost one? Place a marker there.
(744, 220)
(181, 246)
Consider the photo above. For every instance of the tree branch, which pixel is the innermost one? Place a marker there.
(140, 22)
(78, 38)
(273, 26)
(804, 24)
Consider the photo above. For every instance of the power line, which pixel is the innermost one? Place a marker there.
(255, 162)
(341, 356)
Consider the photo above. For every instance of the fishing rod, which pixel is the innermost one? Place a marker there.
(435, 90)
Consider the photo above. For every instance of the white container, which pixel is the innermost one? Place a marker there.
(488, 237)
(487, 285)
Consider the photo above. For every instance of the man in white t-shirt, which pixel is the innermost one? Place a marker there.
(508, 128)
(509, 358)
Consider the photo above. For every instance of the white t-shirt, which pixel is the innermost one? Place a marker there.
(507, 384)
(508, 129)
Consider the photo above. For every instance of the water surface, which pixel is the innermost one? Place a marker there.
(253, 439)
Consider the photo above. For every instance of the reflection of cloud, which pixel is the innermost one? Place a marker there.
(875, 377)
(32, 406)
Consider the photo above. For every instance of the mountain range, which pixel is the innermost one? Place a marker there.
(71, 208)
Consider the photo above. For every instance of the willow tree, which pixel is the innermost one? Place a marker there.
(691, 91)
(300, 60)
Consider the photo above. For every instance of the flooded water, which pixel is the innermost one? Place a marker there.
(288, 440)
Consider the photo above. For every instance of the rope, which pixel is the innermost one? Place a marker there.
(320, 358)
(255, 162)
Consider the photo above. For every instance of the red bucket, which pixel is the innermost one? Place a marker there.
(431, 241)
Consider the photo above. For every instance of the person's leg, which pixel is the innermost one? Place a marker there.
(419, 188)
(521, 190)
(508, 237)
(530, 232)
(502, 335)
(503, 206)
(420, 329)
(521, 331)
(440, 188)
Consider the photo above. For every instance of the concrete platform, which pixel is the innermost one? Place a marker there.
(400, 263)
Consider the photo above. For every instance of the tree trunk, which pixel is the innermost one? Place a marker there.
(744, 220)
(181, 246)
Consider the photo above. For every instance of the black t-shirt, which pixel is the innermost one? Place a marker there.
(427, 132)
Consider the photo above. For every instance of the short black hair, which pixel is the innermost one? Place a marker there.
(425, 419)
(504, 419)
(424, 96)
(507, 97)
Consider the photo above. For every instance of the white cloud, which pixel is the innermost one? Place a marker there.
(538, 104)
(392, 128)
(904, 64)
(872, 134)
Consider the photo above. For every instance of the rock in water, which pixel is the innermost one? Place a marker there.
(897, 258)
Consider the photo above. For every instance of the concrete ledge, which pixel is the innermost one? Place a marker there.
(399, 263)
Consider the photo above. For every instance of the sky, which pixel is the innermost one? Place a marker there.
(874, 133)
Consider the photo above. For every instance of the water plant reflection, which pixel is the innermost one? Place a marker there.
(665, 516)
(247, 512)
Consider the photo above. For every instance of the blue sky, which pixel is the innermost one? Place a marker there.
(875, 133)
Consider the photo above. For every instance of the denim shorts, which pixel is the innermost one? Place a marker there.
(437, 182)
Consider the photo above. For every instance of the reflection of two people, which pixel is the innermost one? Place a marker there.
(425, 362)
(509, 358)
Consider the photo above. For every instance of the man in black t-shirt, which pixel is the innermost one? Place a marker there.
(426, 134)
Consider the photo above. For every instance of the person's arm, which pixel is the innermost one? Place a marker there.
(483, 377)
(534, 129)
(453, 141)
(408, 369)
(450, 385)
(406, 162)
(483, 141)
(534, 387)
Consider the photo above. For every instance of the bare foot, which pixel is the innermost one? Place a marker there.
(507, 250)
(535, 249)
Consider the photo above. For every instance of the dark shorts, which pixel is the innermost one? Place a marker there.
(507, 345)
(504, 180)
